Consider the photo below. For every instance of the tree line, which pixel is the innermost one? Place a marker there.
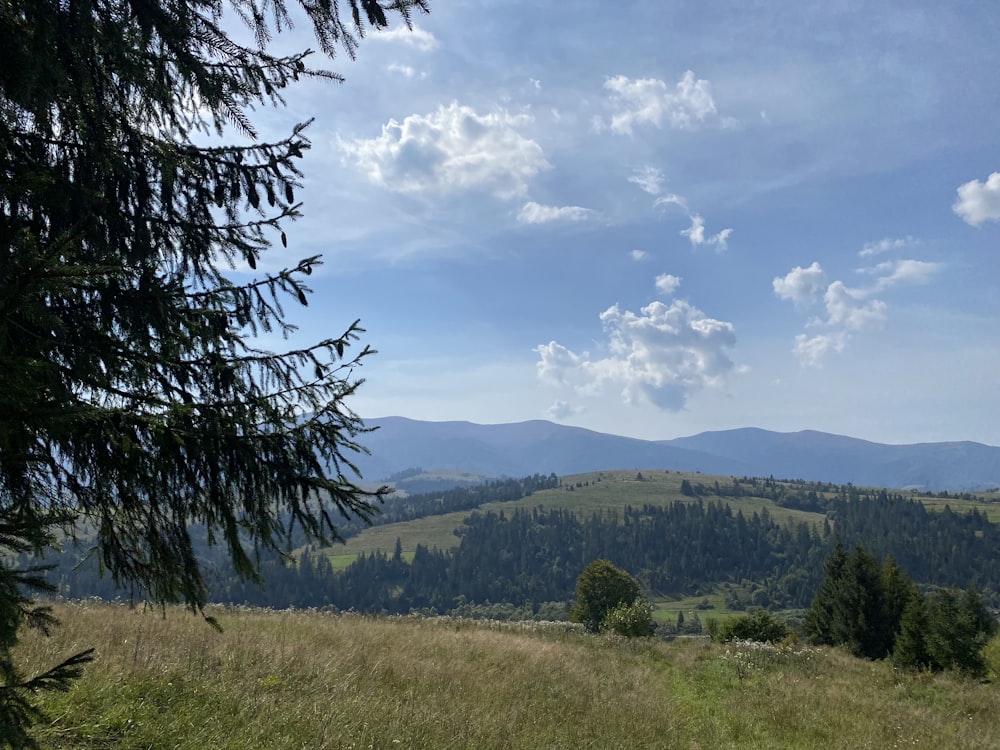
(529, 557)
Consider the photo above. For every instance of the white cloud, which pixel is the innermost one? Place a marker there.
(846, 310)
(800, 285)
(885, 245)
(638, 254)
(696, 233)
(906, 271)
(554, 361)
(651, 101)
(649, 179)
(661, 355)
(561, 410)
(978, 202)
(848, 307)
(667, 284)
(671, 199)
(811, 350)
(535, 213)
(416, 37)
(451, 149)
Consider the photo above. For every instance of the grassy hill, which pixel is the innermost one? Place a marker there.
(312, 680)
(606, 491)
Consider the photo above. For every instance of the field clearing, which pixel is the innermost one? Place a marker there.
(598, 492)
(957, 505)
(616, 489)
(314, 680)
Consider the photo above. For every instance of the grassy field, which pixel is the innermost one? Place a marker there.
(311, 680)
(597, 492)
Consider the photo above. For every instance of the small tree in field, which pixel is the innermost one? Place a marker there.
(600, 588)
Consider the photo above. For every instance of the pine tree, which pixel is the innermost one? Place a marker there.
(819, 623)
(132, 395)
(851, 607)
(910, 648)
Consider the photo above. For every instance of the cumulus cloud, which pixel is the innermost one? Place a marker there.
(416, 37)
(638, 254)
(810, 350)
(845, 310)
(649, 179)
(535, 213)
(696, 233)
(650, 101)
(978, 202)
(666, 284)
(555, 360)
(800, 285)
(661, 355)
(850, 309)
(451, 149)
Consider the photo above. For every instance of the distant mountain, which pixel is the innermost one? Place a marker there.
(519, 449)
(538, 446)
(835, 458)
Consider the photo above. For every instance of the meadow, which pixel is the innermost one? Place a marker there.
(298, 679)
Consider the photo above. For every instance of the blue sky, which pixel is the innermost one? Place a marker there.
(655, 218)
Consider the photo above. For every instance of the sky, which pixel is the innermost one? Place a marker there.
(659, 218)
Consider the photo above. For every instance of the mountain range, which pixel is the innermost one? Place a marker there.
(538, 446)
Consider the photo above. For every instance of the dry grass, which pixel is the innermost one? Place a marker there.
(310, 680)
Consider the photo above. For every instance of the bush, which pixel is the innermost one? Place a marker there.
(633, 620)
(760, 626)
(600, 588)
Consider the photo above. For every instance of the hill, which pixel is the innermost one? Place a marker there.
(524, 448)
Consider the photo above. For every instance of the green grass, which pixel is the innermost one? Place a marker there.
(311, 680)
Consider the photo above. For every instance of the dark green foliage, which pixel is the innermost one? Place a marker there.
(601, 588)
(133, 401)
(945, 630)
(876, 613)
(759, 625)
(852, 607)
(910, 649)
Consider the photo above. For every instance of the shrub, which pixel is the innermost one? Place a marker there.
(759, 626)
(633, 620)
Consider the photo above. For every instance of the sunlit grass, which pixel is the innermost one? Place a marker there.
(312, 680)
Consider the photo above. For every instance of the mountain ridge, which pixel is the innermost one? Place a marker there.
(540, 446)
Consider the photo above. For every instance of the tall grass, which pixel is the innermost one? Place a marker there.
(312, 680)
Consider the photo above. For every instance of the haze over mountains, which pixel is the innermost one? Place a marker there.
(539, 446)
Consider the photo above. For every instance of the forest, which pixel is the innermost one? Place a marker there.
(530, 558)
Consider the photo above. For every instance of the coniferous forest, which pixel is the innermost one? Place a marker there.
(530, 558)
